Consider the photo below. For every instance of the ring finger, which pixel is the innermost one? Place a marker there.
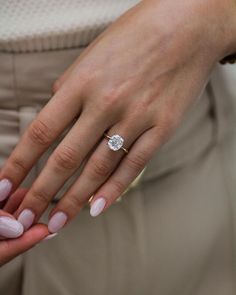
(97, 170)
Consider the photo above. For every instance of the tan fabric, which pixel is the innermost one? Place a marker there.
(172, 234)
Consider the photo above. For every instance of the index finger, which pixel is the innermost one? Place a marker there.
(43, 130)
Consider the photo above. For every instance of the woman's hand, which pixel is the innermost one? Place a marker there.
(137, 79)
(12, 240)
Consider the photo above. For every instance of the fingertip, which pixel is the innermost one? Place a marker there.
(97, 206)
(5, 189)
(10, 228)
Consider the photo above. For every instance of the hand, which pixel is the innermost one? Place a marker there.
(137, 79)
(12, 240)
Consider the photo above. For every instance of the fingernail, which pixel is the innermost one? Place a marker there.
(97, 207)
(49, 237)
(10, 228)
(26, 218)
(57, 221)
(5, 188)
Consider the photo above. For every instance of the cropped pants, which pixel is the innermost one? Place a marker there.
(172, 234)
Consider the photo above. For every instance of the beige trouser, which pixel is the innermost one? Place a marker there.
(173, 234)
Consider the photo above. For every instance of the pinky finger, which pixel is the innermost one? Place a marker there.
(130, 167)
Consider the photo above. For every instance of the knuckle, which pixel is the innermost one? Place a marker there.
(159, 135)
(40, 196)
(40, 133)
(165, 126)
(137, 161)
(118, 187)
(86, 73)
(111, 96)
(74, 202)
(100, 169)
(145, 103)
(110, 99)
(171, 115)
(19, 165)
(66, 158)
(86, 78)
(168, 123)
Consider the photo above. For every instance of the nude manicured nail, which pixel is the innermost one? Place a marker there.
(97, 207)
(49, 237)
(10, 228)
(5, 188)
(26, 218)
(57, 221)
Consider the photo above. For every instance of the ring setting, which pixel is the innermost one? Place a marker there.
(115, 142)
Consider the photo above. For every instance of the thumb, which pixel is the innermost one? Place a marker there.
(13, 247)
(9, 226)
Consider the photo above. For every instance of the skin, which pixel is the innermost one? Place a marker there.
(137, 79)
(10, 248)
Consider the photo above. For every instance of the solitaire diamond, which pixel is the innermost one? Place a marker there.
(115, 142)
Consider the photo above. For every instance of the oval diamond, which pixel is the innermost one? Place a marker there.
(115, 142)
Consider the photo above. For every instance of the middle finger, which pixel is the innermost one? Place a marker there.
(63, 162)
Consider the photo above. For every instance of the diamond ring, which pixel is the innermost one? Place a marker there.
(115, 142)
